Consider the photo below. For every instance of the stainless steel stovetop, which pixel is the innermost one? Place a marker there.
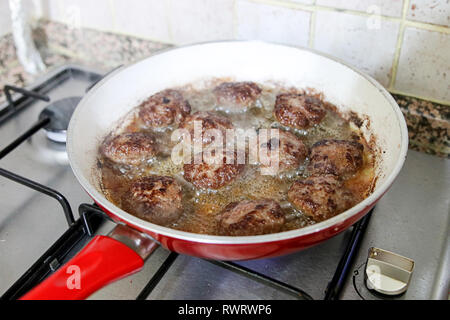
(412, 219)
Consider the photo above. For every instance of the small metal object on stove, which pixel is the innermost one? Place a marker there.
(387, 272)
(59, 113)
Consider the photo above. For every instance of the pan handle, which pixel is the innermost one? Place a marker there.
(101, 262)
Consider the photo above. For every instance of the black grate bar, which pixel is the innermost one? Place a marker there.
(157, 276)
(335, 286)
(7, 89)
(36, 127)
(276, 284)
(25, 100)
(14, 107)
(43, 189)
(58, 252)
(86, 211)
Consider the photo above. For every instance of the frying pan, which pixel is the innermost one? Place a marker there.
(106, 259)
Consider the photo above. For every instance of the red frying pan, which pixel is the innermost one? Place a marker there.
(107, 258)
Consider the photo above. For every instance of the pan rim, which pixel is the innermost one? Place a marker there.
(240, 240)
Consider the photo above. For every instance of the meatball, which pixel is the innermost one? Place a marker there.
(209, 120)
(298, 111)
(339, 157)
(156, 199)
(215, 175)
(164, 108)
(131, 148)
(292, 150)
(236, 96)
(320, 196)
(250, 217)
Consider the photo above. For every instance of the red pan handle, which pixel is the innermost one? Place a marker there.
(101, 262)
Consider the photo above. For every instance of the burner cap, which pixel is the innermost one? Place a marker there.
(59, 113)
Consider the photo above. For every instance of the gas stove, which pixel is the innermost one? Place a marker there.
(46, 218)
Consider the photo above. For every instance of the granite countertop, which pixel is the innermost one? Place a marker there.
(428, 122)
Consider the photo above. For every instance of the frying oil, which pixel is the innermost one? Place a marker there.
(201, 207)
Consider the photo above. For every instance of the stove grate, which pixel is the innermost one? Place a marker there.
(92, 217)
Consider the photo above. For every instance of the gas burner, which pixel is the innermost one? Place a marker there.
(59, 113)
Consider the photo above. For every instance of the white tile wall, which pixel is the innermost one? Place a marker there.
(340, 28)
(96, 14)
(5, 18)
(303, 1)
(386, 7)
(50, 10)
(148, 20)
(35, 9)
(424, 65)
(432, 11)
(200, 20)
(272, 23)
(32, 8)
(349, 38)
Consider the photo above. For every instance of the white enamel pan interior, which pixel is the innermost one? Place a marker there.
(102, 107)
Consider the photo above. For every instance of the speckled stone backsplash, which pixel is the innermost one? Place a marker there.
(428, 122)
(428, 125)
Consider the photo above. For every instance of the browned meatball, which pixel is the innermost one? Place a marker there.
(214, 175)
(236, 96)
(156, 199)
(209, 120)
(131, 148)
(320, 196)
(298, 111)
(292, 150)
(339, 157)
(164, 108)
(250, 217)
